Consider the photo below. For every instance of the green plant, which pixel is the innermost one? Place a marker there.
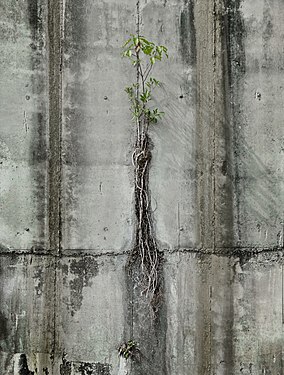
(144, 55)
(128, 349)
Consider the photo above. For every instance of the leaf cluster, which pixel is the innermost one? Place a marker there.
(136, 44)
(128, 349)
(139, 108)
(143, 54)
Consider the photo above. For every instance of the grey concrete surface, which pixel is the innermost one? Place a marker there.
(257, 103)
(23, 122)
(97, 133)
(68, 299)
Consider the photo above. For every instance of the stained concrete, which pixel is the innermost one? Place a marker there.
(257, 99)
(23, 140)
(97, 132)
(68, 298)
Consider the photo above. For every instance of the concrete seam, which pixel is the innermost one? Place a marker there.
(282, 277)
(55, 120)
(231, 252)
(55, 140)
(214, 127)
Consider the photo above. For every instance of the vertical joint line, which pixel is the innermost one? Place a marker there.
(282, 286)
(178, 226)
(214, 127)
(55, 31)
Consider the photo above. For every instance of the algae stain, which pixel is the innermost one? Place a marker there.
(83, 271)
(187, 33)
(23, 366)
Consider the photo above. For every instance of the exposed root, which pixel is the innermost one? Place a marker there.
(145, 250)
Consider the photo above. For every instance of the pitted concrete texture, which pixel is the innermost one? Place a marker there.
(68, 297)
(23, 122)
(97, 131)
(257, 88)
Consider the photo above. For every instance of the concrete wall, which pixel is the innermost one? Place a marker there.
(67, 219)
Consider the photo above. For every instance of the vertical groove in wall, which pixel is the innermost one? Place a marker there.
(215, 40)
(204, 118)
(282, 285)
(235, 32)
(204, 27)
(55, 138)
(214, 184)
(55, 122)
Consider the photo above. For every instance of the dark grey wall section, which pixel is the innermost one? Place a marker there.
(67, 222)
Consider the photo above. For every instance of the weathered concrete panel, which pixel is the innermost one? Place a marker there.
(97, 176)
(23, 119)
(181, 294)
(93, 306)
(257, 87)
(172, 176)
(216, 184)
(27, 309)
(258, 316)
(223, 317)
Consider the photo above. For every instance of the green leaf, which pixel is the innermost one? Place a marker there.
(165, 50)
(152, 60)
(144, 40)
(147, 50)
(127, 42)
(146, 96)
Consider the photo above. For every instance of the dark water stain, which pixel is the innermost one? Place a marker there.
(83, 270)
(37, 89)
(88, 267)
(187, 33)
(147, 329)
(34, 19)
(267, 34)
(77, 50)
(235, 34)
(23, 366)
(54, 122)
(66, 366)
(39, 150)
(4, 332)
(38, 275)
(85, 368)
(233, 66)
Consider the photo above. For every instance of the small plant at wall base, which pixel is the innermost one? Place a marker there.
(144, 55)
(129, 350)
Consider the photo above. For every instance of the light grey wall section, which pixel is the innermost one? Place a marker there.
(223, 317)
(172, 177)
(258, 93)
(216, 185)
(27, 310)
(23, 123)
(97, 131)
(92, 308)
